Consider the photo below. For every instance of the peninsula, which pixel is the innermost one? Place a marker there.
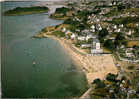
(26, 10)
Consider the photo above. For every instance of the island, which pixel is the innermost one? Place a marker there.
(26, 10)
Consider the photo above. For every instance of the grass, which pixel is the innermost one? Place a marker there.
(131, 10)
(125, 20)
(106, 50)
(133, 43)
(58, 16)
(26, 10)
(130, 67)
(58, 33)
(112, 13)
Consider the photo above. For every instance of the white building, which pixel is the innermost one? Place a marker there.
(81, 38)
(96, 47)
(115, 27)
(97, 20)
(63, 29)
(129, 32)
(95, 51)
(85, 45)
(68, 32)
(92, 27)
(100, 28)
(121, 25)
(129, 54)
(119, 30)
(89, 37)
(73, 36)
(96, 44)
(93, 30)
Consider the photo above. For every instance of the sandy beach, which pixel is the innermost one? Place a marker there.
(93, 66)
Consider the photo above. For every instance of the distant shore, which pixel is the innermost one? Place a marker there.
(26, 11)
(93, 66)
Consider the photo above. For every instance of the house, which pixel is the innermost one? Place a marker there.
(85, 45)
(119, 30)
(129, 32)
(68, 32)
(115, 27)
(96, 42)
(85, 31)
(97, 20)
(63, 30)
(121, 25)
(100, 28)
(73, 36)
(77, 30)
(93, 30)
(95, 51)
(81, 38)
(114, 3)
(89, 17)
(96, 47)
(110, 4)
(89, 37)
(129, 53)
(92, 27)
(137, 24)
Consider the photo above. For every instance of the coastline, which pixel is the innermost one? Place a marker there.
(93, 66)
(25, 13)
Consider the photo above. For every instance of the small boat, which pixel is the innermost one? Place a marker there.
(34, 63)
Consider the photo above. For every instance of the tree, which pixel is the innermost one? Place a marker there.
(62, 10)
(96, 81)
(99, 83)
(109, 44)
(103, 33)
(111, 77)
(119, 40)
(120, 7)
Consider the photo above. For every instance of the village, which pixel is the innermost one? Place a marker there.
(97, 29)
(101, 28)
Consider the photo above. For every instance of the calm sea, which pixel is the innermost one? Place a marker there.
(54, 75)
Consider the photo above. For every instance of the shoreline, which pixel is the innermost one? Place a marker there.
(93, 66)
(27, 13)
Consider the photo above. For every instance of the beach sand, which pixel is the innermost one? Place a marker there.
(93, 66)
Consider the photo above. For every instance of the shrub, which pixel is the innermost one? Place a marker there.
(103, 33)
(109, 44)
(130, 67)
(99, 83)
(61, 10)
(111, 77)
